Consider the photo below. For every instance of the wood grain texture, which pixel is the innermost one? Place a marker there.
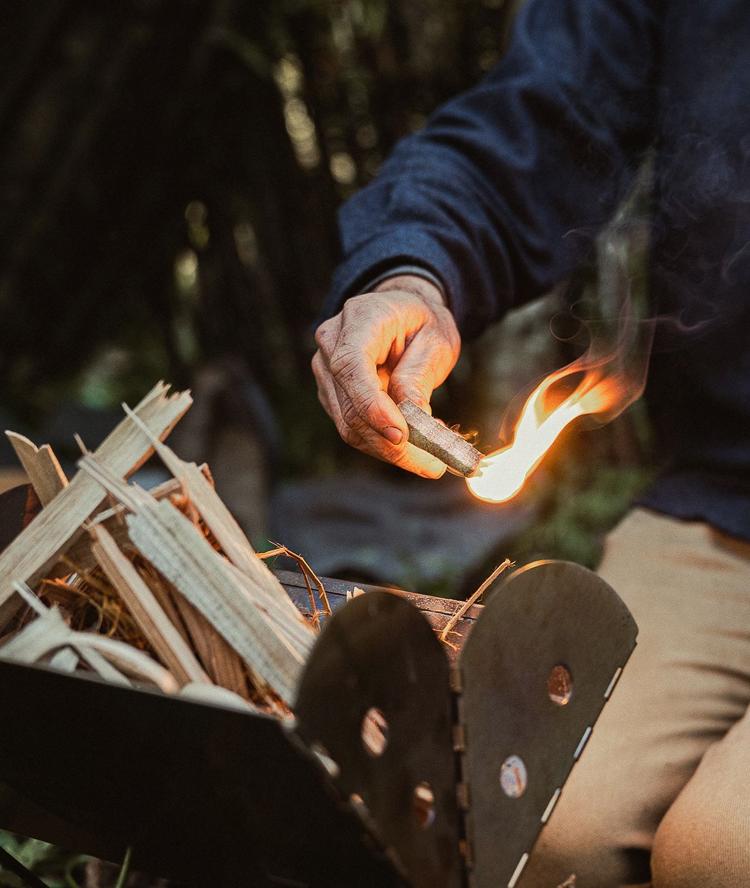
(41, 465)
(186, 558)
(249, 617)
(151, 619)
(220, 521)
(222, 663)
(39, 546)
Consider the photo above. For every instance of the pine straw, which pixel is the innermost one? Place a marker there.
(310, 578)
(91, 604)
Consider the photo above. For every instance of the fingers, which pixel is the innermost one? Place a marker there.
(355, 347)
(421, 463)
(370, 332)
(406, 456)
(329, 400)
(424, 365)
(381, 348)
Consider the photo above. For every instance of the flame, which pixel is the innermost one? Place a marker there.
(502, 474)
(608, 377)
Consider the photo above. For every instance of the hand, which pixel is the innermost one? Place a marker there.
(397, 342)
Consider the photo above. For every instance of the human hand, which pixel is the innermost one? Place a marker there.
(400, 341)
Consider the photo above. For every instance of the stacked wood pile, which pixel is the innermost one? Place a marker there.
(159, 587)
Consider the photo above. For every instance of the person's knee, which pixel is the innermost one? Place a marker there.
(702, 843)
(563, 849)
(679, 851)
(583, 841)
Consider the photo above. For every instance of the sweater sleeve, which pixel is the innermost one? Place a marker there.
(500, 195)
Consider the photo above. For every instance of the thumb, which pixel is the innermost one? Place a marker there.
(425, 363)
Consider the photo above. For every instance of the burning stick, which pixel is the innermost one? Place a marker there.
(431, 435)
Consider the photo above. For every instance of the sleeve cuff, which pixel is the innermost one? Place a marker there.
(401, 270)
(402, 251)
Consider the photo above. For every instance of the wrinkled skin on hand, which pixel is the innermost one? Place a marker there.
(397, 342)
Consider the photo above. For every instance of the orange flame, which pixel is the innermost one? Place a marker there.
(502, 474)
(606, 379)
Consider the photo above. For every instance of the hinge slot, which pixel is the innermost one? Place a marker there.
(459, 738)
(463, 794)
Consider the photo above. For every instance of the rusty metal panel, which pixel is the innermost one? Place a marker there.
(380, 656)
(535, 671)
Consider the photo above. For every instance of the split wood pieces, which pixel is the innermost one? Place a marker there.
(200, 602)
(36, 550)
(41, 465)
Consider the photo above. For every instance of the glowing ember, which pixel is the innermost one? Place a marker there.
(502, 474)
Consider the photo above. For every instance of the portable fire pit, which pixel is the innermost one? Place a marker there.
(233, 728)
(401, 767)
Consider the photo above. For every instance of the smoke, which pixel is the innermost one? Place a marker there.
(614, 342)
(672, 270)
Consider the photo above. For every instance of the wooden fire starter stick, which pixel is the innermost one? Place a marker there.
(431, 435)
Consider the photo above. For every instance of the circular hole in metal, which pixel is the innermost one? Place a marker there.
(374, 732)
(560, 685)
(423, 802)
(513, 777)
(325, 759)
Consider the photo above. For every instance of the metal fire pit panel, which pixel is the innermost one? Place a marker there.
(221, 797)
(535, 672)
(380, 654)
(209, 795)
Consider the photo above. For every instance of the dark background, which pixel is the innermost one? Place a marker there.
(172, 170)
(171, 175)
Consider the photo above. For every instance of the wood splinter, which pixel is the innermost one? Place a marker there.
(431, 435)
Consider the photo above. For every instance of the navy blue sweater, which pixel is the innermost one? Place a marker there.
(486, 196)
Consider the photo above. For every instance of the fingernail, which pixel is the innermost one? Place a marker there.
(393, 434)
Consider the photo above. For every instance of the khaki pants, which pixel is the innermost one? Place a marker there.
(662, 792)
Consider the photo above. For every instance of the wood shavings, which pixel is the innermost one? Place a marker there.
(48, 536)
(161, 587)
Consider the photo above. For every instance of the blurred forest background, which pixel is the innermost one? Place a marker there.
(171, 177)
(171, 173)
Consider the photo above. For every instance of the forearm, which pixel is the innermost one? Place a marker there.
(499, 196)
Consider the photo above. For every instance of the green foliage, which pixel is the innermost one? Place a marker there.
(261, 116)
